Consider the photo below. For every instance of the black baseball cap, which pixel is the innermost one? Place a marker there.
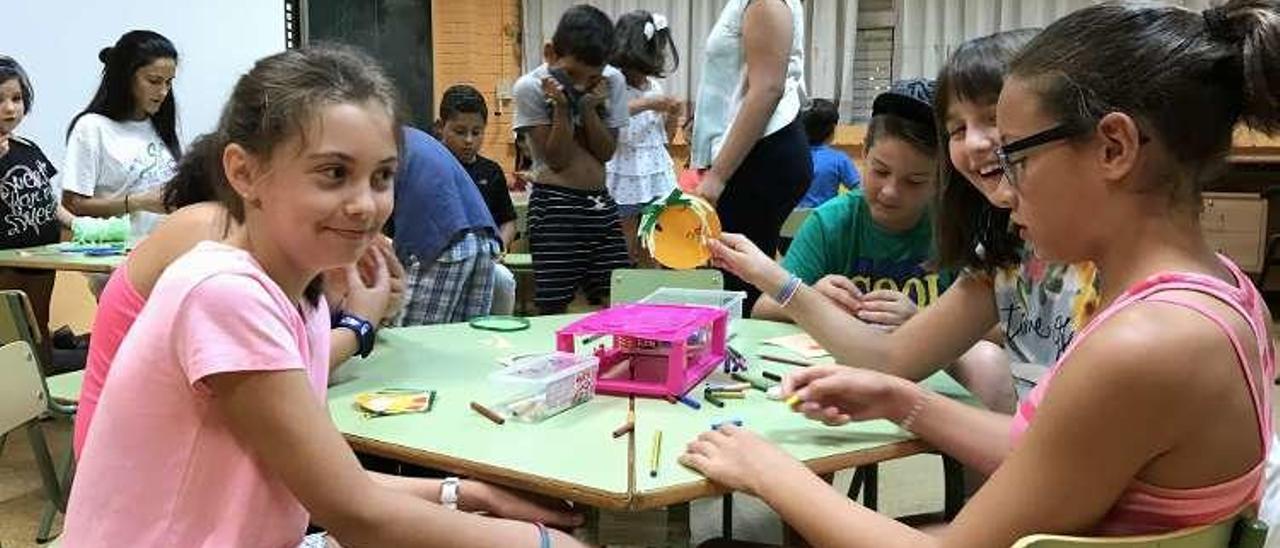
(911, 99)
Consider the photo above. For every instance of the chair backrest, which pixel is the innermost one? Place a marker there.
(18, 323)
(628, 285)
(1232, 533)
(17, 319)
(794, 220)
(22, 394)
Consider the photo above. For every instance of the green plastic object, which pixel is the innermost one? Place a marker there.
(93, 230)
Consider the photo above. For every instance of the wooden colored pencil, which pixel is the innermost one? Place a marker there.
(488, 413)
(788, 361)
(653, 456)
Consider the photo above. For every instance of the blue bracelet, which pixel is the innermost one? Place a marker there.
(788, 291)
(362, 329)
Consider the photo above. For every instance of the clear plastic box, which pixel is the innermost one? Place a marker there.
(535, 388)
(730, 301)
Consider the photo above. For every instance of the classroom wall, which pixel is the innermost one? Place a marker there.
(477, 42)
(57, 41)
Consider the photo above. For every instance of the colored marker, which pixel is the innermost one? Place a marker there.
(712, 399)
(730, 395)
(738, 387)
(754, 384)
(771, 376)
(653, 457)
(689, 402)
(793, 401)
(488, 413)
(735, 421)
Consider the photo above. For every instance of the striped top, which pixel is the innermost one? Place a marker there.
(1145, 508)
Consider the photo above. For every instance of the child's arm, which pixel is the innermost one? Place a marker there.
(671, 119)
(505, 212)
(601, 140)
(554, 143)
(508, 234)
(1110, 417)
(277, 416)
(950, 326)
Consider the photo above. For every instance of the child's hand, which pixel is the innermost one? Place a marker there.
(735, 253)
(672, 105)
(596, 96)
(554, 92)
(840, 290)
(886, 307)
(505, 503)
(395, 298)
(736, 458)
(837, 394)
(367, 284)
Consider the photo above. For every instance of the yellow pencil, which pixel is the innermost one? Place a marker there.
(653, 457)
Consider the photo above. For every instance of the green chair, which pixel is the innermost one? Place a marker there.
(23, 401)
(795, 219)
(18, 323)
(628, 285)
(1233, 533)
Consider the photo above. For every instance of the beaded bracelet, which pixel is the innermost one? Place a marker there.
(914, 413)
(788, 291)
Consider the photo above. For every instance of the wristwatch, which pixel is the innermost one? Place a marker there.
(361, 327)
(449, 493)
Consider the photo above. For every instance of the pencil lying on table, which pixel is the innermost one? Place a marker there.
(488, 413)
(788, 361)
(653, 457)
(629, 426)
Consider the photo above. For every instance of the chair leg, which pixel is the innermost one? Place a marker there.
(953, 490)
(866, 480)
(726, 516)
(49, 477)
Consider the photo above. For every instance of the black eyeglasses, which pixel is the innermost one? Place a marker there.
(1016, 152)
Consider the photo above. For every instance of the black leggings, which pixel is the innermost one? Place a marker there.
(763, 191)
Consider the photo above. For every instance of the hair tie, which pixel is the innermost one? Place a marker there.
(656, 22)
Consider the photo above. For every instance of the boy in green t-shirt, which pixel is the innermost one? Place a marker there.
(868, 250)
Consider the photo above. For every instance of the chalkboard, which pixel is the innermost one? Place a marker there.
(396, 32)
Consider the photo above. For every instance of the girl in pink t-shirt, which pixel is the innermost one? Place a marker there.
(211, 429)
(1157, 417)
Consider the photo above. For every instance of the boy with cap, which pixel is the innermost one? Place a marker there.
(868, 250)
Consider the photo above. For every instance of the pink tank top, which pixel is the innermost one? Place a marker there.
(1145, 508)
(118, 307)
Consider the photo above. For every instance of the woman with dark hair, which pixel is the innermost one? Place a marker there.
(123, 147)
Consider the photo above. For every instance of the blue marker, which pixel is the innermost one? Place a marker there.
(735, 421)
(689, 402)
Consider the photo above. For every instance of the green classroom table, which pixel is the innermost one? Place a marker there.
(572, 455)
(54, 257)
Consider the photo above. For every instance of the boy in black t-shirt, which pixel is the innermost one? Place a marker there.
(463, 117)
